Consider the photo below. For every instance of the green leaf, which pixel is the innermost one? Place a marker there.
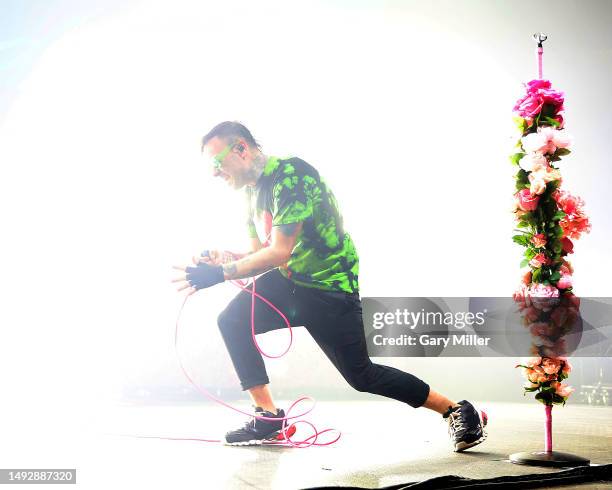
(555, 276)
(562, 152)
(522, 177)
(516, 157)
(521, 239)
(531, 389)
(559, 215)
(521, 124)
(535, 276)
(544, 398)
(552, 122)
(524, 262)
(558, 399)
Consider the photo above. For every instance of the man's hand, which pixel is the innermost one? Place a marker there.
(199, 277)
(211, 257)
(216, 257)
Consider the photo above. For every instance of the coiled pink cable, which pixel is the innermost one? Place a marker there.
(286, 427)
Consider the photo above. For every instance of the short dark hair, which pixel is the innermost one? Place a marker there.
(230, 129)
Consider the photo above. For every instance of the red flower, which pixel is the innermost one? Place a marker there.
(567, 245)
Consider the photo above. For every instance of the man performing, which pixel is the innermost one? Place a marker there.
(311, 271)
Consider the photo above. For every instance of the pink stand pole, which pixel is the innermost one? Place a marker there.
(548, 430)
(539, 55)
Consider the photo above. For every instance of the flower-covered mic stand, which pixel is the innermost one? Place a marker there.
(548, 218)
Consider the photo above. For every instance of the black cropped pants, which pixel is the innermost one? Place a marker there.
(334, 321)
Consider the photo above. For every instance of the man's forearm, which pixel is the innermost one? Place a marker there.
(263, 260)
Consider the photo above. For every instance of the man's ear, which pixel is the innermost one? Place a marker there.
(241, 148)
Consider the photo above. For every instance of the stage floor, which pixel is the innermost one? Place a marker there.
(383, 443)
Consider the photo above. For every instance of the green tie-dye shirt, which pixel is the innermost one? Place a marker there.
(291, 191)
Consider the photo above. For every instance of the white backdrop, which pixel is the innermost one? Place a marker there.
(404, 107)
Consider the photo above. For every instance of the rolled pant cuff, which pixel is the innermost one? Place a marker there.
(247, 385)
(423, 399)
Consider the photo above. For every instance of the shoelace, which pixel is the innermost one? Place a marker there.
(456, 422)
(249, 426)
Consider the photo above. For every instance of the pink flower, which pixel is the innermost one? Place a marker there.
(532, 361)
(543, 291)
(571, 300)
(559, 316)
(575, 223)
(534, 85)
(529, 107)
(536, 374)
(566, 268)
(539, 94)
(538, 142)
(529, 161)
(520, 296)
(561, 139)
(544, 172)
(538, 261)
(555, 349)
(543, 296)
(545, 141)
(539, 240)
(526, 200)
(568, 203)
(531, 314)
(554, 99)
(540, 329)
(567, 367)
(562, 389)
(575, 227)
(557, 138)
(541, 377)
(565, 282)
(547, 174)
(551, 366)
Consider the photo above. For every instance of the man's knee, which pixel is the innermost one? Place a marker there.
(360, 381)
(226, 322)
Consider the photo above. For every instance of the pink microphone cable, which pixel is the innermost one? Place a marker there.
(288, 429)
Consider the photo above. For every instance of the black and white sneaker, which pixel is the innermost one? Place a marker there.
(466, 425)
(257, 431)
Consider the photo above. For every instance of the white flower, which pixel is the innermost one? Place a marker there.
(546, 140)
(561, 139)
(538, 186)
(531, 160)
(535, 142)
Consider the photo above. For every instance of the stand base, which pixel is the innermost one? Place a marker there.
(552, 458)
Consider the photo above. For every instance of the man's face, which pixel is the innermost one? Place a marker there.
(227, 161)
